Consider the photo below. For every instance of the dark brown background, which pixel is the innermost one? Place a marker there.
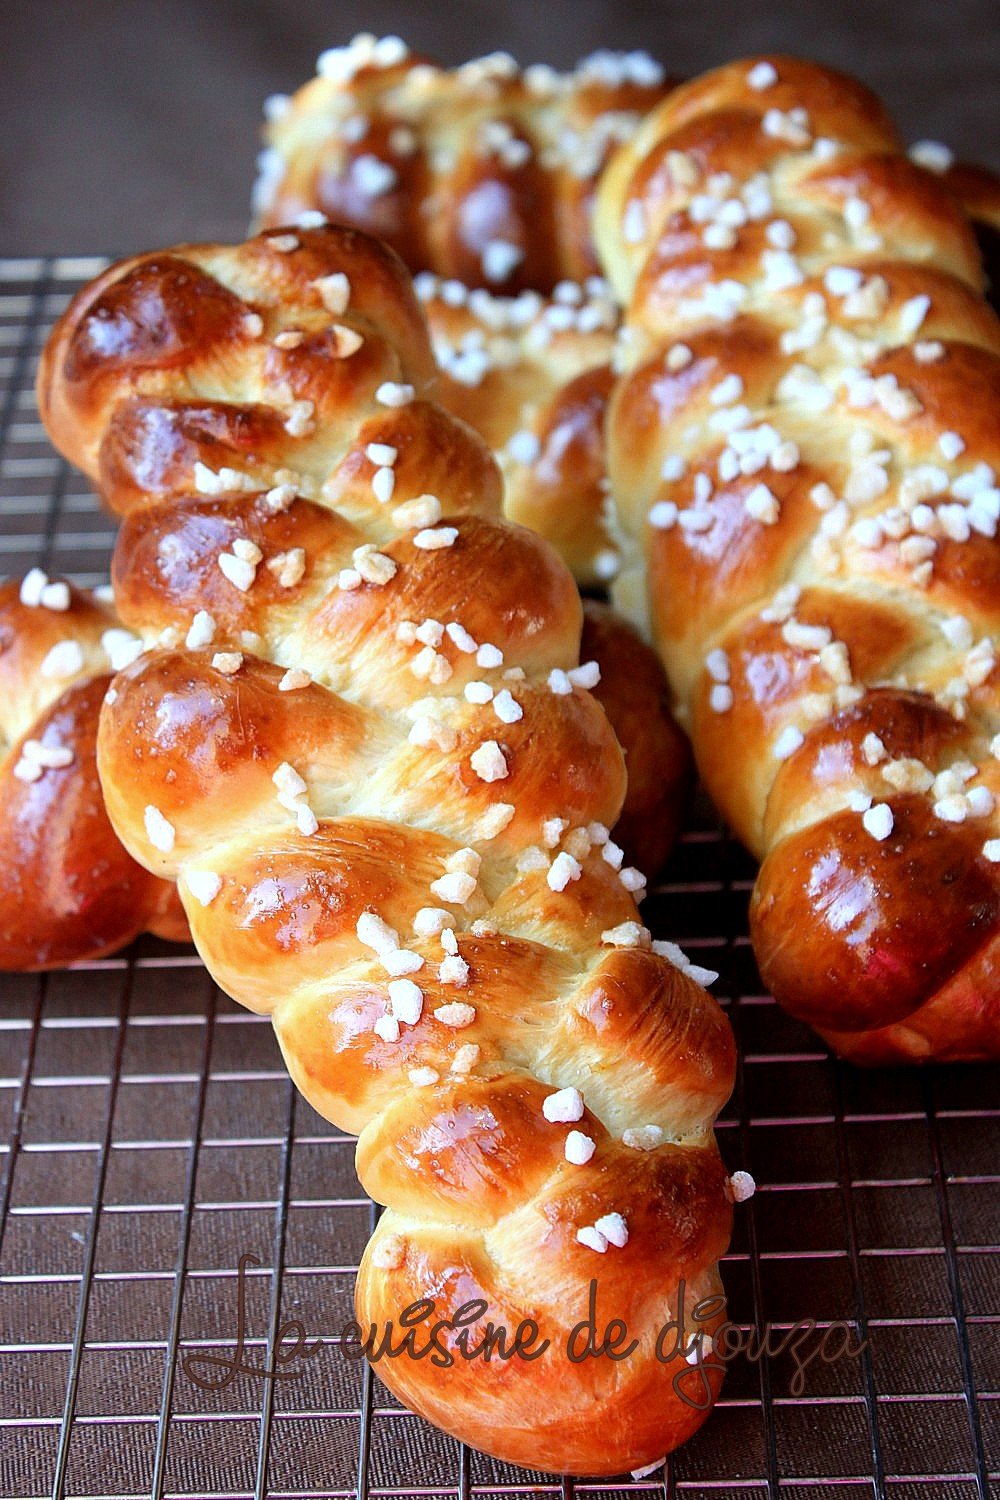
(131, 123)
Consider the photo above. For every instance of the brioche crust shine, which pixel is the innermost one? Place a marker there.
(384, 789)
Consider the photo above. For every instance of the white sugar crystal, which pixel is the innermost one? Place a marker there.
(981, 801)
(787, 743)
(399, 961)
(934, 156)
(563, 1107)
(394, 393)
(626, 935)
(454, 970)
(406, 1000)
(455, 1014)
(663, 515)
(238, 570)
(431, 920)
(523, 447)
(878, 820)
(717, 665)
(288, 781)
(33, 585)
(227, 662)
(461, 639)
(64, 659)
(306, 820)
(465, 1058)
(122, 648)
(586, 675)
(201, 631)
(762, 75)
(373, 176)
(422, 512)
(435, 538)
(382, 455)
(762, 504)
(499, 258)
(579, 1148)
(160, 833)
(506, 707)
(334, 291)
(488, 762)
(387, 1027)
(55, 596)
(614, 1229)
(204, 885)
(455, 887)
(383, 484)
(467, 860)
(743, 1186)
(376, 934)
(563, 869)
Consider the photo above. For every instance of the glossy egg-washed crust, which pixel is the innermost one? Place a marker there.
(69, 890)
(444, 164)
(73, 893)
(533, 376)
(834, 642)
(163, 375)
(510, 366)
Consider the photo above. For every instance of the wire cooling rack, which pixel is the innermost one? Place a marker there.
(150, 1138)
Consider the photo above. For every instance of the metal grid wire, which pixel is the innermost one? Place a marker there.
(150, 1137)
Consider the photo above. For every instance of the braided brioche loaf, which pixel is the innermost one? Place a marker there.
(482, 172)
(69, 891)
(804, 447)
(384, 792)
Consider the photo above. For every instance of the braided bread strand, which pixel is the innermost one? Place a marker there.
(69, 891)
(804, 449)
(385, 792)
(483, 172)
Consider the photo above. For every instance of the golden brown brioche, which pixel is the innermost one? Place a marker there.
(804, 447)
(73, 893)
(69, 890)
(634, 693)
(384, 790)
(533, 375)
(483, 172)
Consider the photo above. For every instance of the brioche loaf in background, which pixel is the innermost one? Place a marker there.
(484, 172)
(69, 890)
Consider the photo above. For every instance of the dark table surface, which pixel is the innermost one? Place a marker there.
(133, 123)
